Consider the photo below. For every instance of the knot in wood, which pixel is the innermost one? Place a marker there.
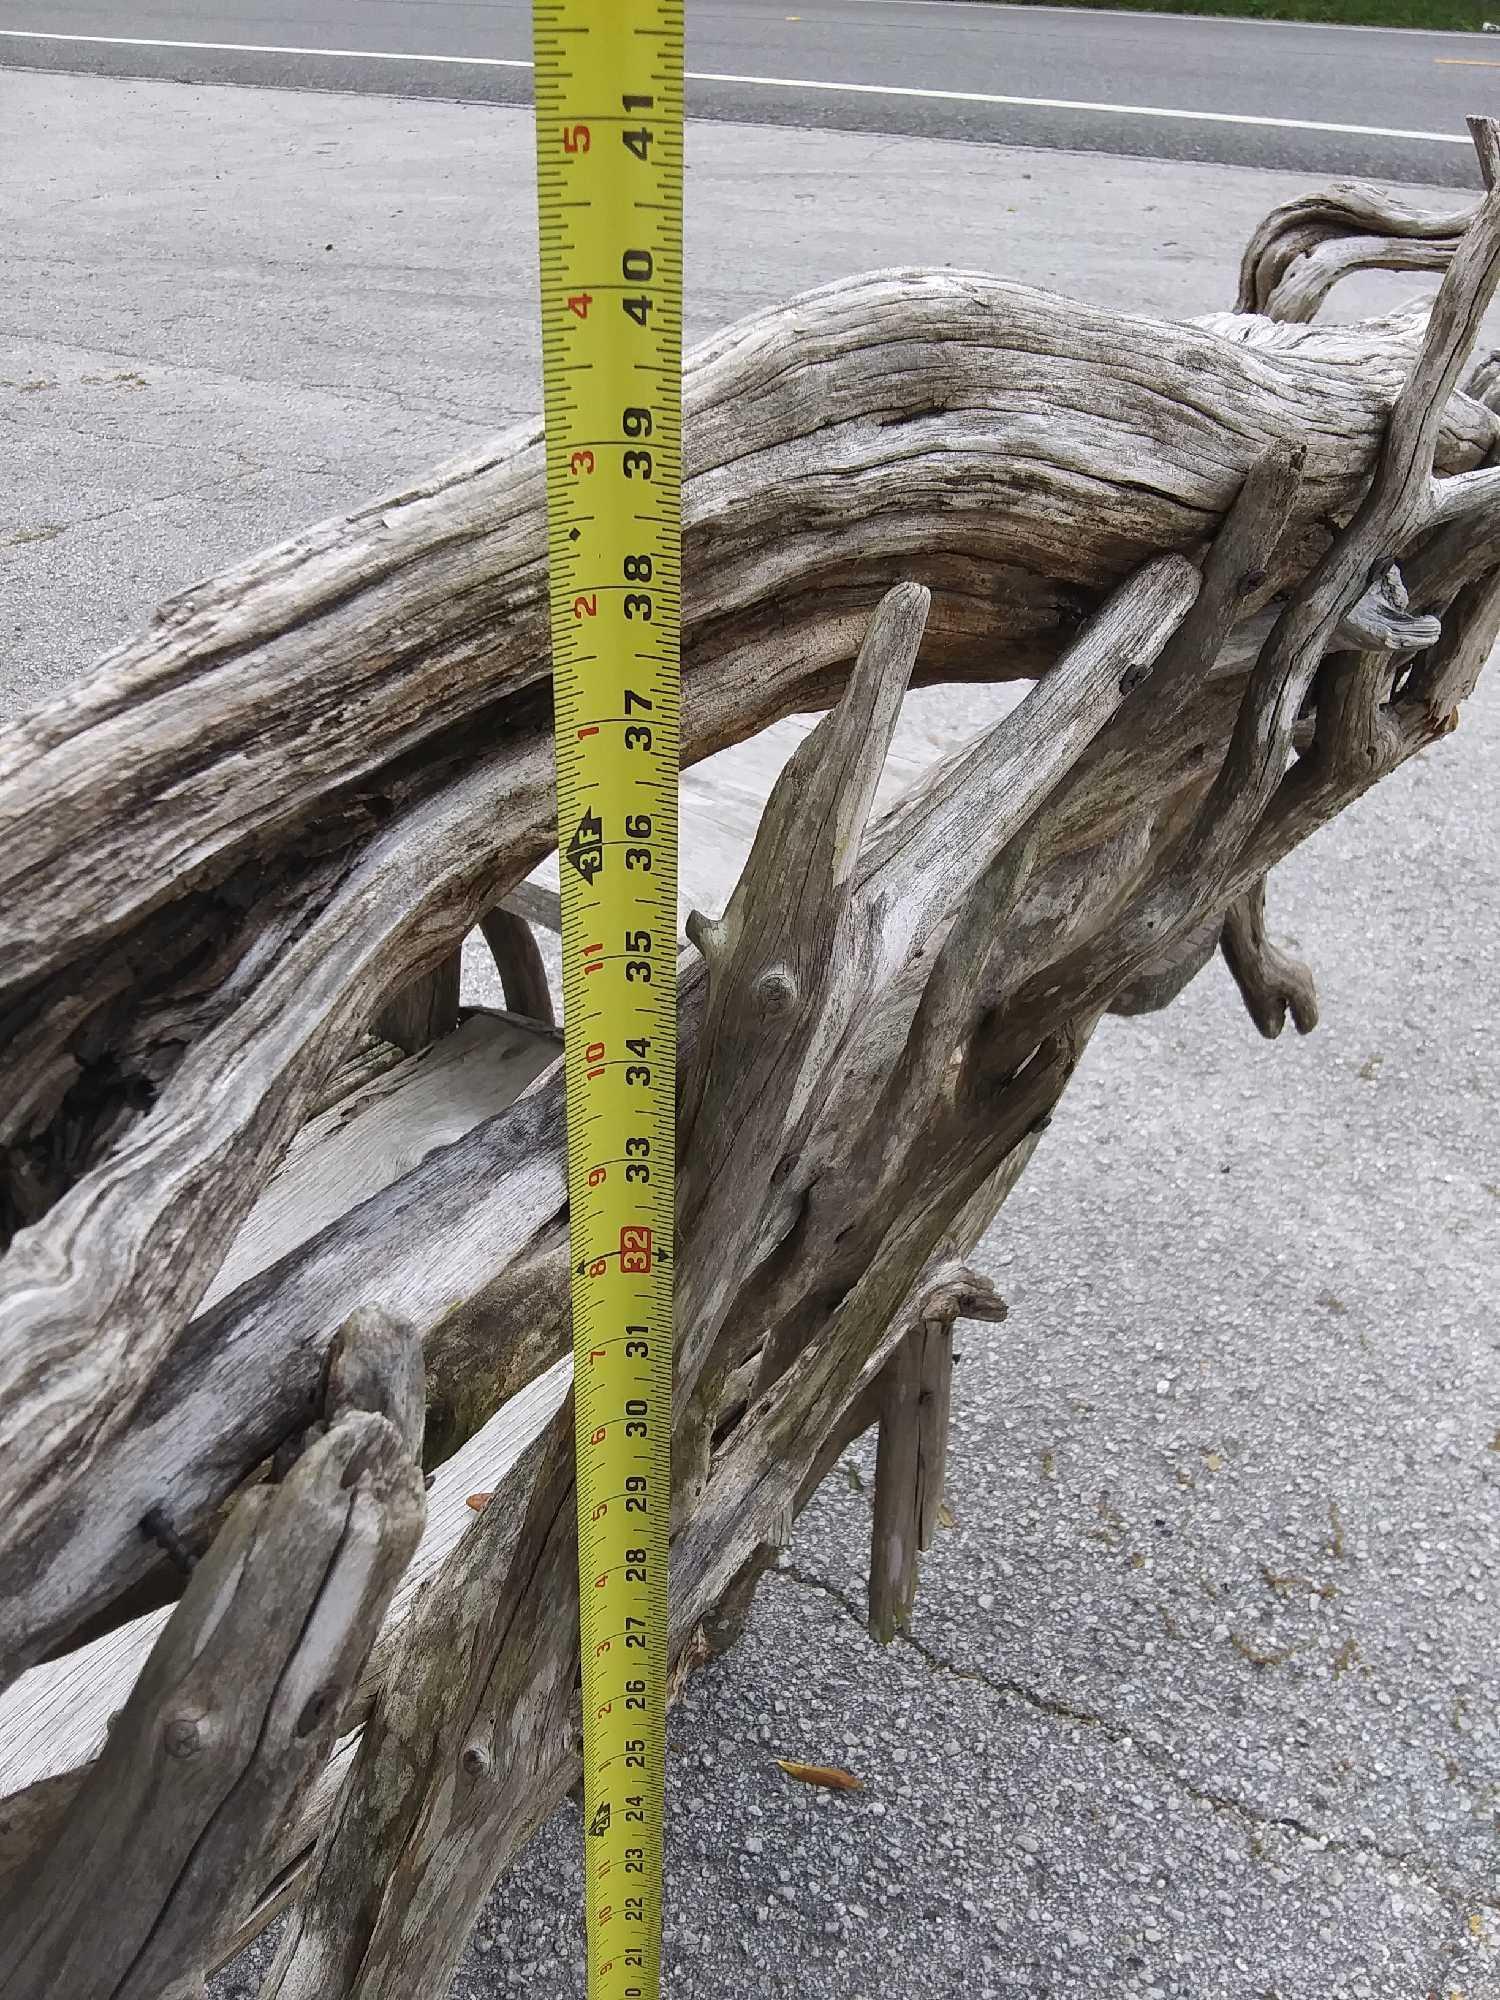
(156, 1527)
(774, 992)
(182, 1737)
(476, 1760)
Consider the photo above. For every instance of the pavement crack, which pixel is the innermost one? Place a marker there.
(1254, 1819)
(138, 503)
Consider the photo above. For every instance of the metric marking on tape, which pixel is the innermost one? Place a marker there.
(609, 191)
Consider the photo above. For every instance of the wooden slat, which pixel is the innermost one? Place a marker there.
(369, 1059)
(537, 904)
(380, 1131)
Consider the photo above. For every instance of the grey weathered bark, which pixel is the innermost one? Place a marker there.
(472, 1738)
(1251, 568)
(1269, 979)
(279, 894)
(237, 1706)
(1304, 247)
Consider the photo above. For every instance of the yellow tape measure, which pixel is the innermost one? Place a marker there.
(609, 182)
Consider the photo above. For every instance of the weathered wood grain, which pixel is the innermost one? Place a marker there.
(788, 965)
(934, 1411)
(386, 856)
(426, 606)
(236, 1707)
(913, 1396)
(475, 1715)
(472, 1242)
(1252, 565)
(1302, 249)
(896, 1534)
(1270, 980)
(53, 1719)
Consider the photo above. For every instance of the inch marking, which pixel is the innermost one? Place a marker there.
(609, 153)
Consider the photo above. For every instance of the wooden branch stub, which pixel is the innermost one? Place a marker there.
(896, 1534)
(1270, 979)
(945, 1052)
(953, 1292)
(1468, 501)
(1302, 248)
(1446, 676)
(518, 960)
(1381, 621)
(934, 1337)
(1485, 132)
(233, 1714)
(786, 970)
(1313, 275)
(375, 1364)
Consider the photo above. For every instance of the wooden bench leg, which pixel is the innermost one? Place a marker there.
(424, 1011)
(893, 1550)
(518, 960)
(914, 1392)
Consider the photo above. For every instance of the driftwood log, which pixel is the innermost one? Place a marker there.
(1247, 566)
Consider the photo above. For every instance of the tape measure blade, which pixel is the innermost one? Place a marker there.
(609, 181)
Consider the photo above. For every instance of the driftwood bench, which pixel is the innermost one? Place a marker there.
(284, 1219)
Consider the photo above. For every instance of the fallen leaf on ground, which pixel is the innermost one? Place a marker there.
(822, 1774)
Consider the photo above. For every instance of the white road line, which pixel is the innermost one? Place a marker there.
(905, 90)
(256, 49)
(1086, 104)
(1199, 21)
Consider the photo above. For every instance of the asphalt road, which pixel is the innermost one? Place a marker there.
(1317, 100)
